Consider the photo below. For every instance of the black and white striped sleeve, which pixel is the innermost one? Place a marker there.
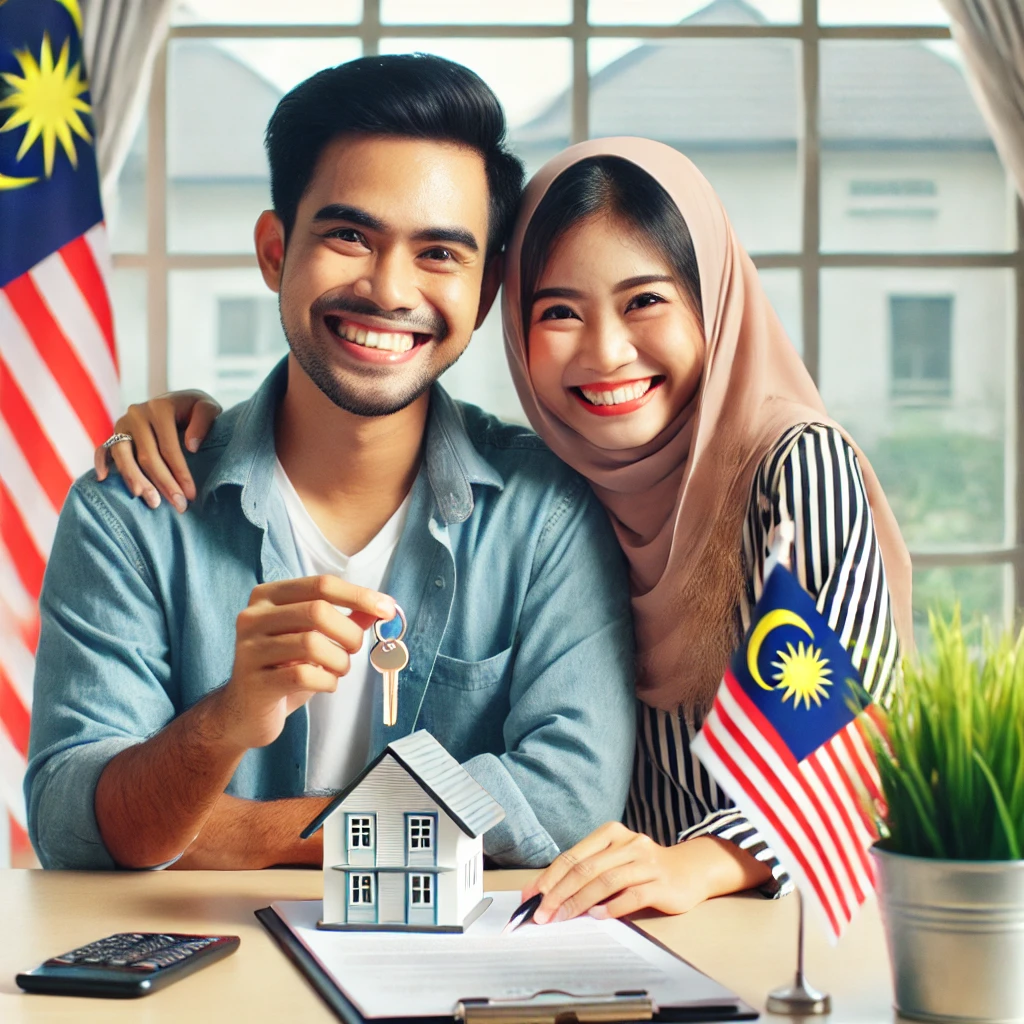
(812, 478)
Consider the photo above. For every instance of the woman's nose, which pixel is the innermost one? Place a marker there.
(390, 283)
(606, 345)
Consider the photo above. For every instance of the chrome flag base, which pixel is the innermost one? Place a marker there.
(799, 999)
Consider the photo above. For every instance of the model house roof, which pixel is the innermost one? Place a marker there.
(465, 801)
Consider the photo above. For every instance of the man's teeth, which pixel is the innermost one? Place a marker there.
(392, 342)
(626, 393)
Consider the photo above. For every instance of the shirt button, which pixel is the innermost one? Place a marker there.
(439, 582)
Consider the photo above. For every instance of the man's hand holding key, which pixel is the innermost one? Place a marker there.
(290, 643)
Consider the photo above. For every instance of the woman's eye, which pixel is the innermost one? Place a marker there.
(644, 300)
(558, 313)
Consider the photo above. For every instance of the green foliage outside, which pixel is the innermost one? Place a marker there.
(952, 763)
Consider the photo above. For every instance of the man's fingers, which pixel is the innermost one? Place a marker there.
(301, 677)
(173, 459)
(204, 412)
(302, 648)
(327, 588)
(276, 620)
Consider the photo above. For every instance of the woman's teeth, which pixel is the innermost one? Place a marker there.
(626, 393)
(392, 342)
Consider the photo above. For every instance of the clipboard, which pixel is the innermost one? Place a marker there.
(547, 1007)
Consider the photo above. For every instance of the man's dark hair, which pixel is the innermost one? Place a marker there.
(616, 186)
(417, 96)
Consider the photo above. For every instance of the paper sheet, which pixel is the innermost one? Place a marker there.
(401, 974)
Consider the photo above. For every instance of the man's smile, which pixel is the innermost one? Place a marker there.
(372, 344)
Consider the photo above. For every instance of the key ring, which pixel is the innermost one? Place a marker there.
(378, 623)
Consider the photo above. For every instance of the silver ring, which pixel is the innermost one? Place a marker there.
(116, 439)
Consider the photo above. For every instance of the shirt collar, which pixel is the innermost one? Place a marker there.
(453, 463)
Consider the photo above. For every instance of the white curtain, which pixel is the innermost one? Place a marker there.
(121, 41)
(990, 33)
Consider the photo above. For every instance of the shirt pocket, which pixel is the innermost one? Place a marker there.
(471, 675)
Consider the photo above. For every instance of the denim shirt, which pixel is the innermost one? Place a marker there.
(520, 639)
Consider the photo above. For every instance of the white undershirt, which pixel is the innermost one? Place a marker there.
(339, 722)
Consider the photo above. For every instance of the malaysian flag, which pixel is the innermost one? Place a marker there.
(786, 738)
(58, 365)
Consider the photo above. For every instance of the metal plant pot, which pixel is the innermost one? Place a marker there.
(955, 930)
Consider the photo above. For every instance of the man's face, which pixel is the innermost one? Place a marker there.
(381, 281)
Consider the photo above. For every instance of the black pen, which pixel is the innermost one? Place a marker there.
(523, 913)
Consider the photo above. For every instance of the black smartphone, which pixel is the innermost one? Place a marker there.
(126, 965)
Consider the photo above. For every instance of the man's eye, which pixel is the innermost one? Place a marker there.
(442, 255)
(347, 235)
(643, 300)
(558, 313)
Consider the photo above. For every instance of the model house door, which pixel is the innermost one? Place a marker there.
(422, 908)
(362, 898)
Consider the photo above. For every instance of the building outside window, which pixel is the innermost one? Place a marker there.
(361, 890)
(360, 833)
(841, 136)
(421, 890)
(421, 833)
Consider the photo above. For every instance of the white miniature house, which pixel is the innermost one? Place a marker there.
(403, 844)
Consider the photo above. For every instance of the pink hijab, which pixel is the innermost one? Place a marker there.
(678, 503)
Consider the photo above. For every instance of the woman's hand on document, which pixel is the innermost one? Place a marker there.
(614, 872)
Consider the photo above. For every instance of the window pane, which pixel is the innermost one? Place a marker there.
(882, 12)
(536, 103)
(669, 12)
(907, 164)
(783, 290)
(267, 12)
(128, 299)
(473, 12)
(125, 211)
(731, 105)
(940, 455)
(227, 354)
(980, 589)
(221, 94)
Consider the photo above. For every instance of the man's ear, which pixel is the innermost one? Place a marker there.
(493, 272)
(269, 237)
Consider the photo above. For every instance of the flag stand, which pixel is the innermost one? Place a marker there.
(799, 999)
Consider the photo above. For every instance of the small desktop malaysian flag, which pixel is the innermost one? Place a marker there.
(58, 366)
(786, 739)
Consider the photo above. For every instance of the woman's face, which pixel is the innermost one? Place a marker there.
(615, 351)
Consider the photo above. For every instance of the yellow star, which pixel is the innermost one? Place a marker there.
(46, 99)
(801, 674)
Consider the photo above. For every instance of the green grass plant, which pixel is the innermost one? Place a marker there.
(952, 762)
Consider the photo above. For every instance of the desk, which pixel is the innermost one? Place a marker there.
(745, 942)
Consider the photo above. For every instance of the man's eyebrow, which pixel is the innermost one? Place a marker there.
(453, 236)
(339, 211)
(635, 282)
(557, 293)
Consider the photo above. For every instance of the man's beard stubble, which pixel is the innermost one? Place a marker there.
(349, 396)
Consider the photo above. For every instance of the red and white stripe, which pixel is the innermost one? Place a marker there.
(813, 812)
(59, 395)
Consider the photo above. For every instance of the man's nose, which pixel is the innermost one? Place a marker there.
(390, 282)
(606, 345)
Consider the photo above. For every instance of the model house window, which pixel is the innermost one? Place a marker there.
(421, 832)
(421, 890)
(360, 891)
(360, 832)
(921, 332)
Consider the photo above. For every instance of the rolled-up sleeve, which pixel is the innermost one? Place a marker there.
(101, 675)
(570, 730)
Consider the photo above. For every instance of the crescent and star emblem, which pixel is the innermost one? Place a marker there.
(802, 671)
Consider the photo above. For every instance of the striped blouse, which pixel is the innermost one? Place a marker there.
(812, 478)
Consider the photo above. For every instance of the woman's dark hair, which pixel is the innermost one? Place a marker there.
(612, 185)
(416, 96)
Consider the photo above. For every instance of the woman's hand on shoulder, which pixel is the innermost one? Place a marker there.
(153, 462)
(614, 872)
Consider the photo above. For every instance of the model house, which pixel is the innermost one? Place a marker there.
(403, 844)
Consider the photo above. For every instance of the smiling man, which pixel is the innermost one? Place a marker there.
(199, 676)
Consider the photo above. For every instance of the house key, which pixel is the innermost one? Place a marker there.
(389, 656)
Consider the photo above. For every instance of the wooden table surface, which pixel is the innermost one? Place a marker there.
(744, 942)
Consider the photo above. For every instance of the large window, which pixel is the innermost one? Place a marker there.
(841, 135)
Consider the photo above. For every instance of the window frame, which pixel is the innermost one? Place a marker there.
(369, 831)
(809, 260)
(419, 821)
(359, 884)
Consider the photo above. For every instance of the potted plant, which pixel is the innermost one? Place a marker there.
(950, 869)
